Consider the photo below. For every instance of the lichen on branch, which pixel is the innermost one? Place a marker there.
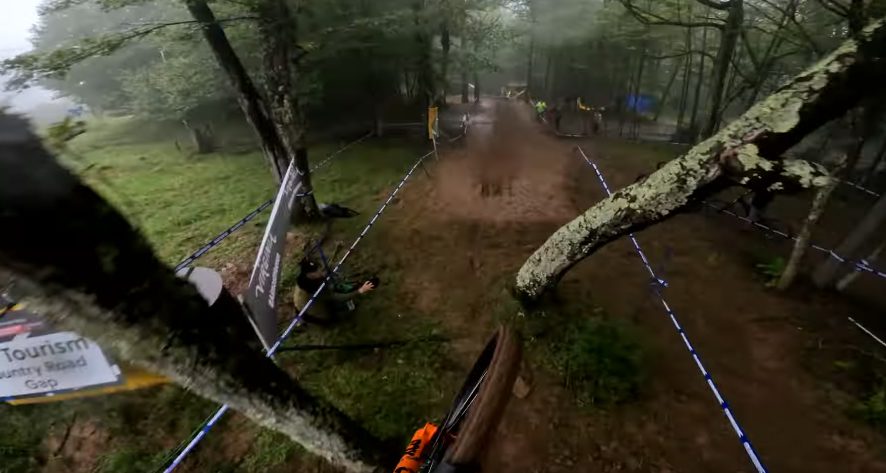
(749, 152)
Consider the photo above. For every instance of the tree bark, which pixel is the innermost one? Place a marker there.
(424, 65)
(699, 82)
(279, 30)
(747, 151)
(106, 284)
(445, 44)
(819, 203)
(667, 92)
(845, 281)
(728, 40)
(872, 171)
(828, 271)
(248, 97)
(201, 136)
(476, 86)
(687, 79)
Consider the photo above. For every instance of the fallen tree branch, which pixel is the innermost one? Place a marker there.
(748, 152)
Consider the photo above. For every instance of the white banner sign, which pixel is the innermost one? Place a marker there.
(53, 362)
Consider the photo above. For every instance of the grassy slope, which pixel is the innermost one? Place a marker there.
(179, 202)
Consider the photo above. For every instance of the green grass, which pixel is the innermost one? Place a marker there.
(179, 202)
(601, 360)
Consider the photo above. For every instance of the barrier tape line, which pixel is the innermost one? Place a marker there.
(727, 410)
(863, 329)
(861, 188)
(298, 318)
(860, 265)
(243, 221)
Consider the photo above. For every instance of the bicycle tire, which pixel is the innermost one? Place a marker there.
(486, 411)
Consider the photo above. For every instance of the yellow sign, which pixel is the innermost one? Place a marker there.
(134, 378)
(432, 123)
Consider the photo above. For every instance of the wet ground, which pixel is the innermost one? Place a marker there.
(495, 198)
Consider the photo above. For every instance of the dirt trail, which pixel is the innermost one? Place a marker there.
(490, 203)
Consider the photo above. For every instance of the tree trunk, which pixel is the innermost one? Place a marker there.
(106, 284)
(667, 92)
(476, 87)
(279, 31)
(201, 136)
(699, 81)
(445, 43)
(748, 151)
(529, 64)
(687, 79)
(845, 281)
(424, 65)
(828, 271)
(549, 77)
(728, 40)
(638, 87)
(248, 97)
(819, 203)
(872, 171)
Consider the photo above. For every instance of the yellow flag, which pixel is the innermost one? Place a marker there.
(432, 123)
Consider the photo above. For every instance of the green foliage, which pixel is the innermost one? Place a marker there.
(872, 409)
(59, 134)
(269, 449)
(127, 460)
(178, 88)
(600, 360)
(771, 269)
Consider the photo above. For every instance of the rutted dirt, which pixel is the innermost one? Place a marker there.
(492, 201)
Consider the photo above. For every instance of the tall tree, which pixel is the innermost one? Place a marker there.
(248, 96)
(279, 30)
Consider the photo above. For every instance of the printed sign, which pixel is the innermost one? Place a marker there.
(261, 295)
(54, 362)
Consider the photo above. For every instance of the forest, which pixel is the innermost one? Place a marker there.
(446, 236)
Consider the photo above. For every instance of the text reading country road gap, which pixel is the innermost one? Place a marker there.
(53, 362)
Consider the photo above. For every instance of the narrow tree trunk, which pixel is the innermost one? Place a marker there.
(748, 151)
(638, 87)
(728, 40)
(872, 171)
(828, 271)
(248, 97)
(699, 81)
(819, 203)
(844, 282)
(423, 60)
(106, 284)
(201, 136)
(549, 77)
(662, 103)
(529, 65)
(476, 87)
(444, 61)
(687, 79)
(279, 31)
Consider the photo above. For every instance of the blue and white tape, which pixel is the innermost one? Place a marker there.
(860, 265)
(298, 318)
(727, 410)
(243, 221)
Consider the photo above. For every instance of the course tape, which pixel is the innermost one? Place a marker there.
(860, 265)
(243, 221)
(727, 411)
(881, 342)
(298, 318)
(863, 189)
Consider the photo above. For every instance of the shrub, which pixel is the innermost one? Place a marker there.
(601, 361)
